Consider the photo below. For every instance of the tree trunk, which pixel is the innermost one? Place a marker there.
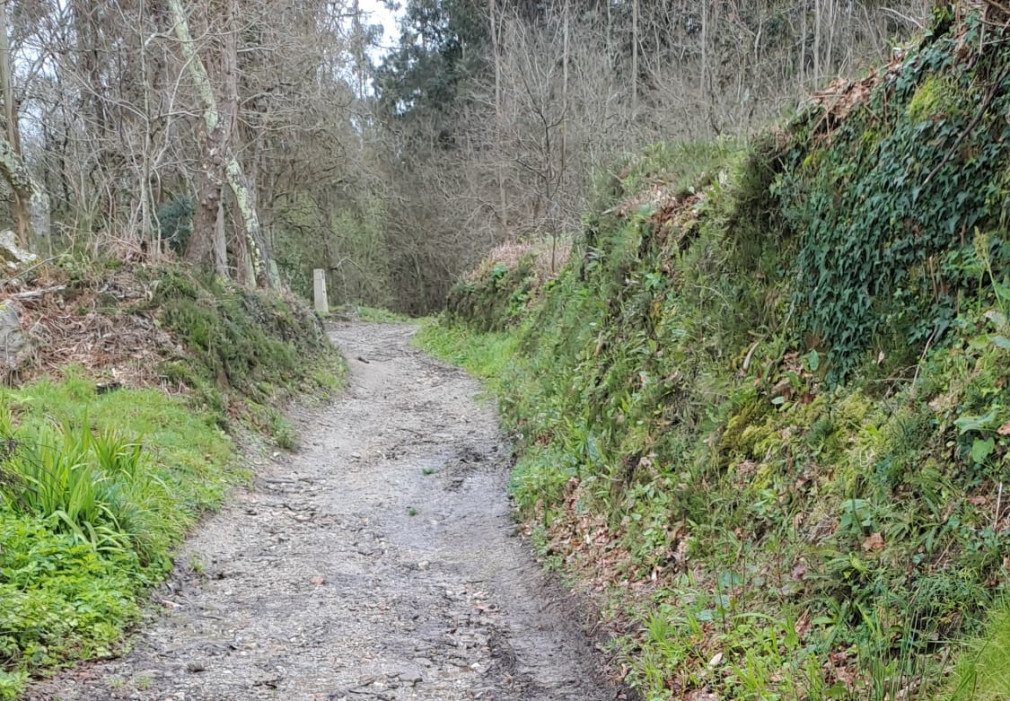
(30, 203)
(220, 243)
(703, 77)
(564, 99)
(28, 192)
(217, 147)
(208, 198)
(499, 157)
(817, 42)
(634, 59)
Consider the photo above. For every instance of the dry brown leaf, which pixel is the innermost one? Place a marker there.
(874, 543)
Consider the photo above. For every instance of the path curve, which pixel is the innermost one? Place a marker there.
(378, 562)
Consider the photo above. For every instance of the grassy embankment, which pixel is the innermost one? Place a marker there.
(763, 412)
(96, 488)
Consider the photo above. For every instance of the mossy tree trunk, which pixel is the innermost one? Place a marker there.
(219, 164)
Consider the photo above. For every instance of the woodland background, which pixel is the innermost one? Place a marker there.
(239, 131)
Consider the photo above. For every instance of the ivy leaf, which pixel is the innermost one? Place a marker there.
(1000, 342)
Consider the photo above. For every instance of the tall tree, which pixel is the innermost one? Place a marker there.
(219, 161)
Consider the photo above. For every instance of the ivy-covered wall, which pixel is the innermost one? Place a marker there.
(890, 189)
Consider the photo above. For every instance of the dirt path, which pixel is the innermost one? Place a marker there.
(379, 562)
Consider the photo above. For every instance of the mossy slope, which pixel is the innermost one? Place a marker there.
(765, 408)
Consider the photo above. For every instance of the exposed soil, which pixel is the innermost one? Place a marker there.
(378, 562)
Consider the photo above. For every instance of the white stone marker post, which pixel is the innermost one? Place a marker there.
(319, 280)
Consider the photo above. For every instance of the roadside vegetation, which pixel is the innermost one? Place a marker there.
(762, 409)
(107, 461)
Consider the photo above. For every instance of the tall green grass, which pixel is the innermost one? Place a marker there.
(96, 486)
(95, 490)
(982, 672)
(489, 356)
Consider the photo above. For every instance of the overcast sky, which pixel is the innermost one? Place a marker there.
(378, 13)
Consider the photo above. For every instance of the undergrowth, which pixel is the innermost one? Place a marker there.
(95, 490)
(98, 481)
(763, 408)
(372, 314)
(245, 350)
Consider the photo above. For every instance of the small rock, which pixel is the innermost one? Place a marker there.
(10, 251)
(194, 667)
(12, 341)
(409, 675)
(318, 580)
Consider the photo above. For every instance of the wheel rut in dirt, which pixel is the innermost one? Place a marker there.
(378, 562)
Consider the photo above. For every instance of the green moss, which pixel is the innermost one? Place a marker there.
(245, 346)
(936, 97)
(496, 298)
(745, 427)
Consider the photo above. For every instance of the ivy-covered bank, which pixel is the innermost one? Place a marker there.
(763, 411)
(99, 480)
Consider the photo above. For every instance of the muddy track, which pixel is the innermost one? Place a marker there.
(378, 562)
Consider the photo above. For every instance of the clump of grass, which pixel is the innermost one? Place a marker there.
(982, 672)
(91, 486)
(95, 490)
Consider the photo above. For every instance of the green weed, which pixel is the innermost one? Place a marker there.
(375, 314)
(94, 492)
(981, 672)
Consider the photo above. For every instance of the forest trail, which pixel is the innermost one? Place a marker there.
(378, 562)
